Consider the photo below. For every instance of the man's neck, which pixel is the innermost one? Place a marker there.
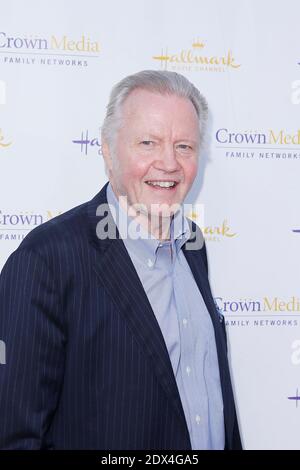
(157, 226)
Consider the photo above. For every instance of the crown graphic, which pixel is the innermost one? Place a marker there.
(193, 215)
(198, 44)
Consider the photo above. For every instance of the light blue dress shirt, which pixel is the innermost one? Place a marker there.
(184, 321)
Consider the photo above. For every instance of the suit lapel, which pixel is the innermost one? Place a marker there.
(117, 274)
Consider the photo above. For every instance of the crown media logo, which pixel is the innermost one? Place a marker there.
(196, 59)
(275, 312)
(14, 226)
(273, 144)
(46, 51)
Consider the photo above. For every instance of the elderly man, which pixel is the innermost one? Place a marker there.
(112, 335)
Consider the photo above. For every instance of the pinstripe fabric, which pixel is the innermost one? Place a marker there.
(87, 366)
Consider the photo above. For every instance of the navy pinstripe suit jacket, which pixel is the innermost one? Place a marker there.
(86, 362)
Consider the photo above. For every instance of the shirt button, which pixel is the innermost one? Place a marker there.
(184, 321)
(150, 263)
(198, 419)
(188, 370)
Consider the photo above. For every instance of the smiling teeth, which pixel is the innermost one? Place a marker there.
(162, 184)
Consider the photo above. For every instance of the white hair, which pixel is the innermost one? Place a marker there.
(161, 82)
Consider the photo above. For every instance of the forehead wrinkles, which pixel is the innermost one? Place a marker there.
(156, 111)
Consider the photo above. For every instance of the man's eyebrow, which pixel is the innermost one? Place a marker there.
(150, 135)
(191, 141)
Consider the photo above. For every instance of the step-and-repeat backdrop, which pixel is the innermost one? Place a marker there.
(58, 62)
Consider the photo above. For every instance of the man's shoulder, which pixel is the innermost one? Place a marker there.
(62, 228)
(65, 231)
(50, 243)
(60, 245)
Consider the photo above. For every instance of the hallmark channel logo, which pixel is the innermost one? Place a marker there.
(49, 50)
(215, 232)
(4, 141)
(14, 226)
(272, 144)
(196, 58)
(295, 398)
(264, 312)
(86, 143)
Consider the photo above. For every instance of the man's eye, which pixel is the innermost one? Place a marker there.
(147, 142)
(184, 147)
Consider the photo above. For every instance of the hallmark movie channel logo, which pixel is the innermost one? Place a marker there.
(213, 232)
(275, 312)
(87, 144)
(14, 226)
(58, 50)
(273, 144)
(196, 57)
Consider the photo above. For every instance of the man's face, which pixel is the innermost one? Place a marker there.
(155, 155)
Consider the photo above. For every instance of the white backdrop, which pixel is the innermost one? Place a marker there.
(58, 62)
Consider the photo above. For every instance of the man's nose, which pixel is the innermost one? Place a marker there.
(167, 160)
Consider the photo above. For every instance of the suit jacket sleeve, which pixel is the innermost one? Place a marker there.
(31, 327)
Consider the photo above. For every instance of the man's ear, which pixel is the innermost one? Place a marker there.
(107, 155)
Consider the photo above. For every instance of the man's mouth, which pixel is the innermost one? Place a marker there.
(162, 184)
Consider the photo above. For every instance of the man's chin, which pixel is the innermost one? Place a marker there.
(154, 210)
(160, 211)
